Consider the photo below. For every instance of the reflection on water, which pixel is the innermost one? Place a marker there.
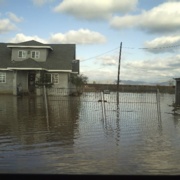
(77, 140)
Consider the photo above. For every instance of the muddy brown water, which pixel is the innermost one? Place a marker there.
(77, 140)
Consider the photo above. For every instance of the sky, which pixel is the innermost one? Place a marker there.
(149, 31)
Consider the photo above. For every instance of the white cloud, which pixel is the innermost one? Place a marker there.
(163, 18)
(108, 60)
(6, 25)
(41, 2)
(81, 36)
(14, 18)
(21, 37)
(163, 44)
(94, 9)
(152, 70)
(100, 75)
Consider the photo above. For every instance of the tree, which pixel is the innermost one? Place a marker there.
(79, 81)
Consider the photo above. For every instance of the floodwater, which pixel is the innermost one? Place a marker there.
(78, 138)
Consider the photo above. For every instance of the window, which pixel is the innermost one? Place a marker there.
(52, 78)
(35, 54)
(55, 78)
(22, 54)
(2, 77)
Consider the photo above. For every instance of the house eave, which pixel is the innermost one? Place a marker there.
(48, 70)
(17, 68)
(74, 72)
(56, 70)
(35, 47)
(3, 69)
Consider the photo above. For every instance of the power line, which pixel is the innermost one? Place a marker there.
(100, 54)
(164, 47)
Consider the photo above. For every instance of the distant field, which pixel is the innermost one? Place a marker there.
(130, 88)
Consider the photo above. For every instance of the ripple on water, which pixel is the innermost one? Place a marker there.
(77, 140)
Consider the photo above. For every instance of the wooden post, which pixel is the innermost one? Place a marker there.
(102, 104)
(46, 106)
(118, 76)
(158, 105)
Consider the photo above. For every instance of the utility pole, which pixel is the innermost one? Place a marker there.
(118, 76)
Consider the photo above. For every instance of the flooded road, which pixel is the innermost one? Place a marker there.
(77, 140)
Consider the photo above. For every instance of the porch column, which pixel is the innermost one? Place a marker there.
(14, 82)
(38, 90)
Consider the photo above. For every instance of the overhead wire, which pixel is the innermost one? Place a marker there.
(100, 54)
(140, 70)
(164, 47)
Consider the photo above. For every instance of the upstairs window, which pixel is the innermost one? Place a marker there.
(35, 54)
(2, 77)
(22, 54)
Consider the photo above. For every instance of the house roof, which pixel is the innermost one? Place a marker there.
(60, 58)
(31, 43)
(28, 63)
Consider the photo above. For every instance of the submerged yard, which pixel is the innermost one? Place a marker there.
(78, 138)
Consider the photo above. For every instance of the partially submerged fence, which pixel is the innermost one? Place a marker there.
(130, 88)
(100, 105)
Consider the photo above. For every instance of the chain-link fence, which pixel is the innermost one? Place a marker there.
(104, 105)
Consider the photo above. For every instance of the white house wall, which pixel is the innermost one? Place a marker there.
(61, 88)
(42, 58)
(7, 87)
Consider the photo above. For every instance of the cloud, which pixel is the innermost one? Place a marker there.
(161, 19)
(6, 25)
(81, 36)
(14, 18)
(21, 37)
(94, 9)
(163, 44)
(152, 70)
(41, 2)
(108, 60)
(99, 75)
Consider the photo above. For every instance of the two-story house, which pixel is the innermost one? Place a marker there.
(22, 63)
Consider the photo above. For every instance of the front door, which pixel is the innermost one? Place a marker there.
(31, 81)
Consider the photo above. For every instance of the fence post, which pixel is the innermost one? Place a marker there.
(104, 107)
(46, 105)
(102, 104)
(158, 104)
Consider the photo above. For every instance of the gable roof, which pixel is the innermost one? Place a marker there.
(60, 58)
(31, 43)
